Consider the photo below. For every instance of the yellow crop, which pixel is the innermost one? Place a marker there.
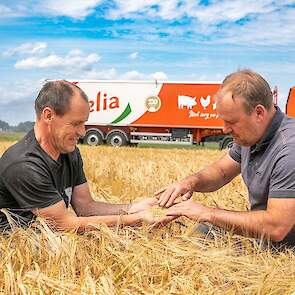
(141, 260)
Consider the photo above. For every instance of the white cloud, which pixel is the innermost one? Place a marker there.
(26, 48)
(75, 59)
(11, 9)
(214, 12)
(135, 75)
(78, 9)
(4, 10)
(229, 11)
(232, 20)
(17, 99)
(159, 76)
(113, 74)
(217, 77)
(154, 8)
(93, 74)
(251, 22)
(280, 30)
(19, 90)
(133, 55)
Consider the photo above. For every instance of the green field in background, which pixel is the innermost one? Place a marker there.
(15, 136)
(207, 145)
(11, 136)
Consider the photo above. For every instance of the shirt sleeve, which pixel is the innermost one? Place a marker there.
(30, 185)
(80, 175)
(235, 153)
(282, 182)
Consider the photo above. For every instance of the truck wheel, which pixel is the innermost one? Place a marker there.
(93, 138)
(226, 143)
(116, 139)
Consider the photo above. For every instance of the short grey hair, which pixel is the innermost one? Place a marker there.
(249, 86)
(57, 95)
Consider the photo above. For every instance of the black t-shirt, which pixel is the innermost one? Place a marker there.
(30, 178)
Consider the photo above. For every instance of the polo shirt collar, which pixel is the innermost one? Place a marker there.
(270, 131)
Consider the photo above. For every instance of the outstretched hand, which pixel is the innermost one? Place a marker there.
(167, 195)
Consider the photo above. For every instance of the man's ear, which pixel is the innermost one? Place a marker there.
(260, 112)
(47, 114)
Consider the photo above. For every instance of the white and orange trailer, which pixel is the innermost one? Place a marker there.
(132, 112)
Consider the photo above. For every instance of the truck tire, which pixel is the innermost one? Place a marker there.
(93, 138)
(117, 139)
(226, 143)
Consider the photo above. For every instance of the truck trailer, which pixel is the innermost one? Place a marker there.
(290, 105)
(132, 112)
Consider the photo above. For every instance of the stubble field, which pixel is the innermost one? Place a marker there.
(171, 260)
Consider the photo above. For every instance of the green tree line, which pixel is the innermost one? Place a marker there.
(21, 127)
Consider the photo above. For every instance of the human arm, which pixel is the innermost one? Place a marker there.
(274, 223)
(278, 217)
(32, 188)
(209, 179)
(84, 205)
(60, 218)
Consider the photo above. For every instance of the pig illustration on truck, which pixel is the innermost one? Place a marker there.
(132, 112)
(186, 101)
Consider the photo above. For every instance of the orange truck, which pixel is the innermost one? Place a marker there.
(290, 106)
(132, 112)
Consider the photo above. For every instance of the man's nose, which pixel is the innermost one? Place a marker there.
(81, 131)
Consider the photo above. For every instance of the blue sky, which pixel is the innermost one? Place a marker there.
(140, 40)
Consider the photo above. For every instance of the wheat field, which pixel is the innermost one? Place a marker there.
(141, 260)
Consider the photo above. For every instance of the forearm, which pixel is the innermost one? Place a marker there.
(96, 208)
(214, 176)
(83, 224)
(209, 179)
(250, 223)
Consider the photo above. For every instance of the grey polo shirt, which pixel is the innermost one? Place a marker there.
(268, 168)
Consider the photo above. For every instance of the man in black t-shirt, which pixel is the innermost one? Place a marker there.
(42, 174)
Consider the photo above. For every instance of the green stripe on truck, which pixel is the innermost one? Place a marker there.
(125, 113)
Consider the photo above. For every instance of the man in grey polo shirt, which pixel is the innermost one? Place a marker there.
(263, 152)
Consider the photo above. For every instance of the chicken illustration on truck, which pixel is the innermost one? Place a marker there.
(132, 112)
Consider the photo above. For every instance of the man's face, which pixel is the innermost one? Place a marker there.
(67, 129)
(243, 127)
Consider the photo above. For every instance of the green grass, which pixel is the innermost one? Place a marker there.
(207, 145)
(15, 136)
(11, 136)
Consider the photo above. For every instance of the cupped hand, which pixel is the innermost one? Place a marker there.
(142, 205)
(155, 221)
